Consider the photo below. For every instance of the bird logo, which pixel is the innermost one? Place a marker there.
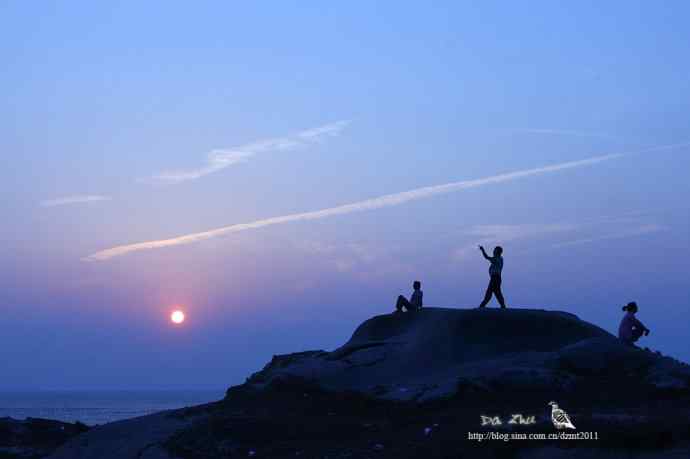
(559, 417)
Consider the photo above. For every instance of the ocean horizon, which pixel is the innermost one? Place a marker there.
(93, 407)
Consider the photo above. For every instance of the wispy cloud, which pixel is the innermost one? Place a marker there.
(360, 206)
(492, 234)
(583, 232)
(368, 204)
(221, 158)
(80, 199)
(511, 232)
(346, 256)
(563, 132)
(625, 233)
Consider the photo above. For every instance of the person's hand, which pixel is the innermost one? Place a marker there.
(481, 247)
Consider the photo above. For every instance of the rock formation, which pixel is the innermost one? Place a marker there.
(437, 352)
(417, 384)
(34, 437)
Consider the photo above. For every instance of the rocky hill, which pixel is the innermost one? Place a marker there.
(436, 352)
(418, 384)
(34, 437)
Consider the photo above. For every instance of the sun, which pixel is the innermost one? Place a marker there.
(177, 317)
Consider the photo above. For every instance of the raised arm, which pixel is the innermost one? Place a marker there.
(484, 253)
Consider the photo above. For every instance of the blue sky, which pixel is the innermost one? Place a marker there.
(274, 109)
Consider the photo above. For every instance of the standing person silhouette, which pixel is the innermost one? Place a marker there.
(495, 273)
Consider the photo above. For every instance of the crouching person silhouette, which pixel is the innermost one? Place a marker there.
(495, 269)
(415, 302)
(631, 329)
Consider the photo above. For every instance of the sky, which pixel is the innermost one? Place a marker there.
(281, 171)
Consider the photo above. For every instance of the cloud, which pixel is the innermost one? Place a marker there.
(368, 204)
(565, 132)
(221, 158)
(74, 200)
(494, 234)
(360, 206)
(638, 231)
(589, 230)
(350, 256)
(511, 232)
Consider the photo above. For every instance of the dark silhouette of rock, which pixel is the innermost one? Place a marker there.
(34, 437)
(399, 374)
(425, 356)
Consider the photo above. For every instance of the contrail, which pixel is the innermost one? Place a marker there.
(368, 204)
(221, 158)
(360, 206)
(73, 200)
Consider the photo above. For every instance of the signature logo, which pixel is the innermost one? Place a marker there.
(560, 418)
(514, 419)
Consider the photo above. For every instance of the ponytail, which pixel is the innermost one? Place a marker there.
(632, 307)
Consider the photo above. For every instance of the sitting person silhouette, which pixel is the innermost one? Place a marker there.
(415, 302)
(631, 328)
(495, 273)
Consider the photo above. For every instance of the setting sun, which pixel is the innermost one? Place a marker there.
(177, 317)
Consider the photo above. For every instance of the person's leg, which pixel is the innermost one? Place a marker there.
(636, 333)
(496, 280)
(402, 303)
(399, 303)
(406, 304)
(487, 295)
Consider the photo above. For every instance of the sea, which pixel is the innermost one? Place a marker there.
(99, 407)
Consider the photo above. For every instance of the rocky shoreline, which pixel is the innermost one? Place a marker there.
(420, 385)
(34, 437)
